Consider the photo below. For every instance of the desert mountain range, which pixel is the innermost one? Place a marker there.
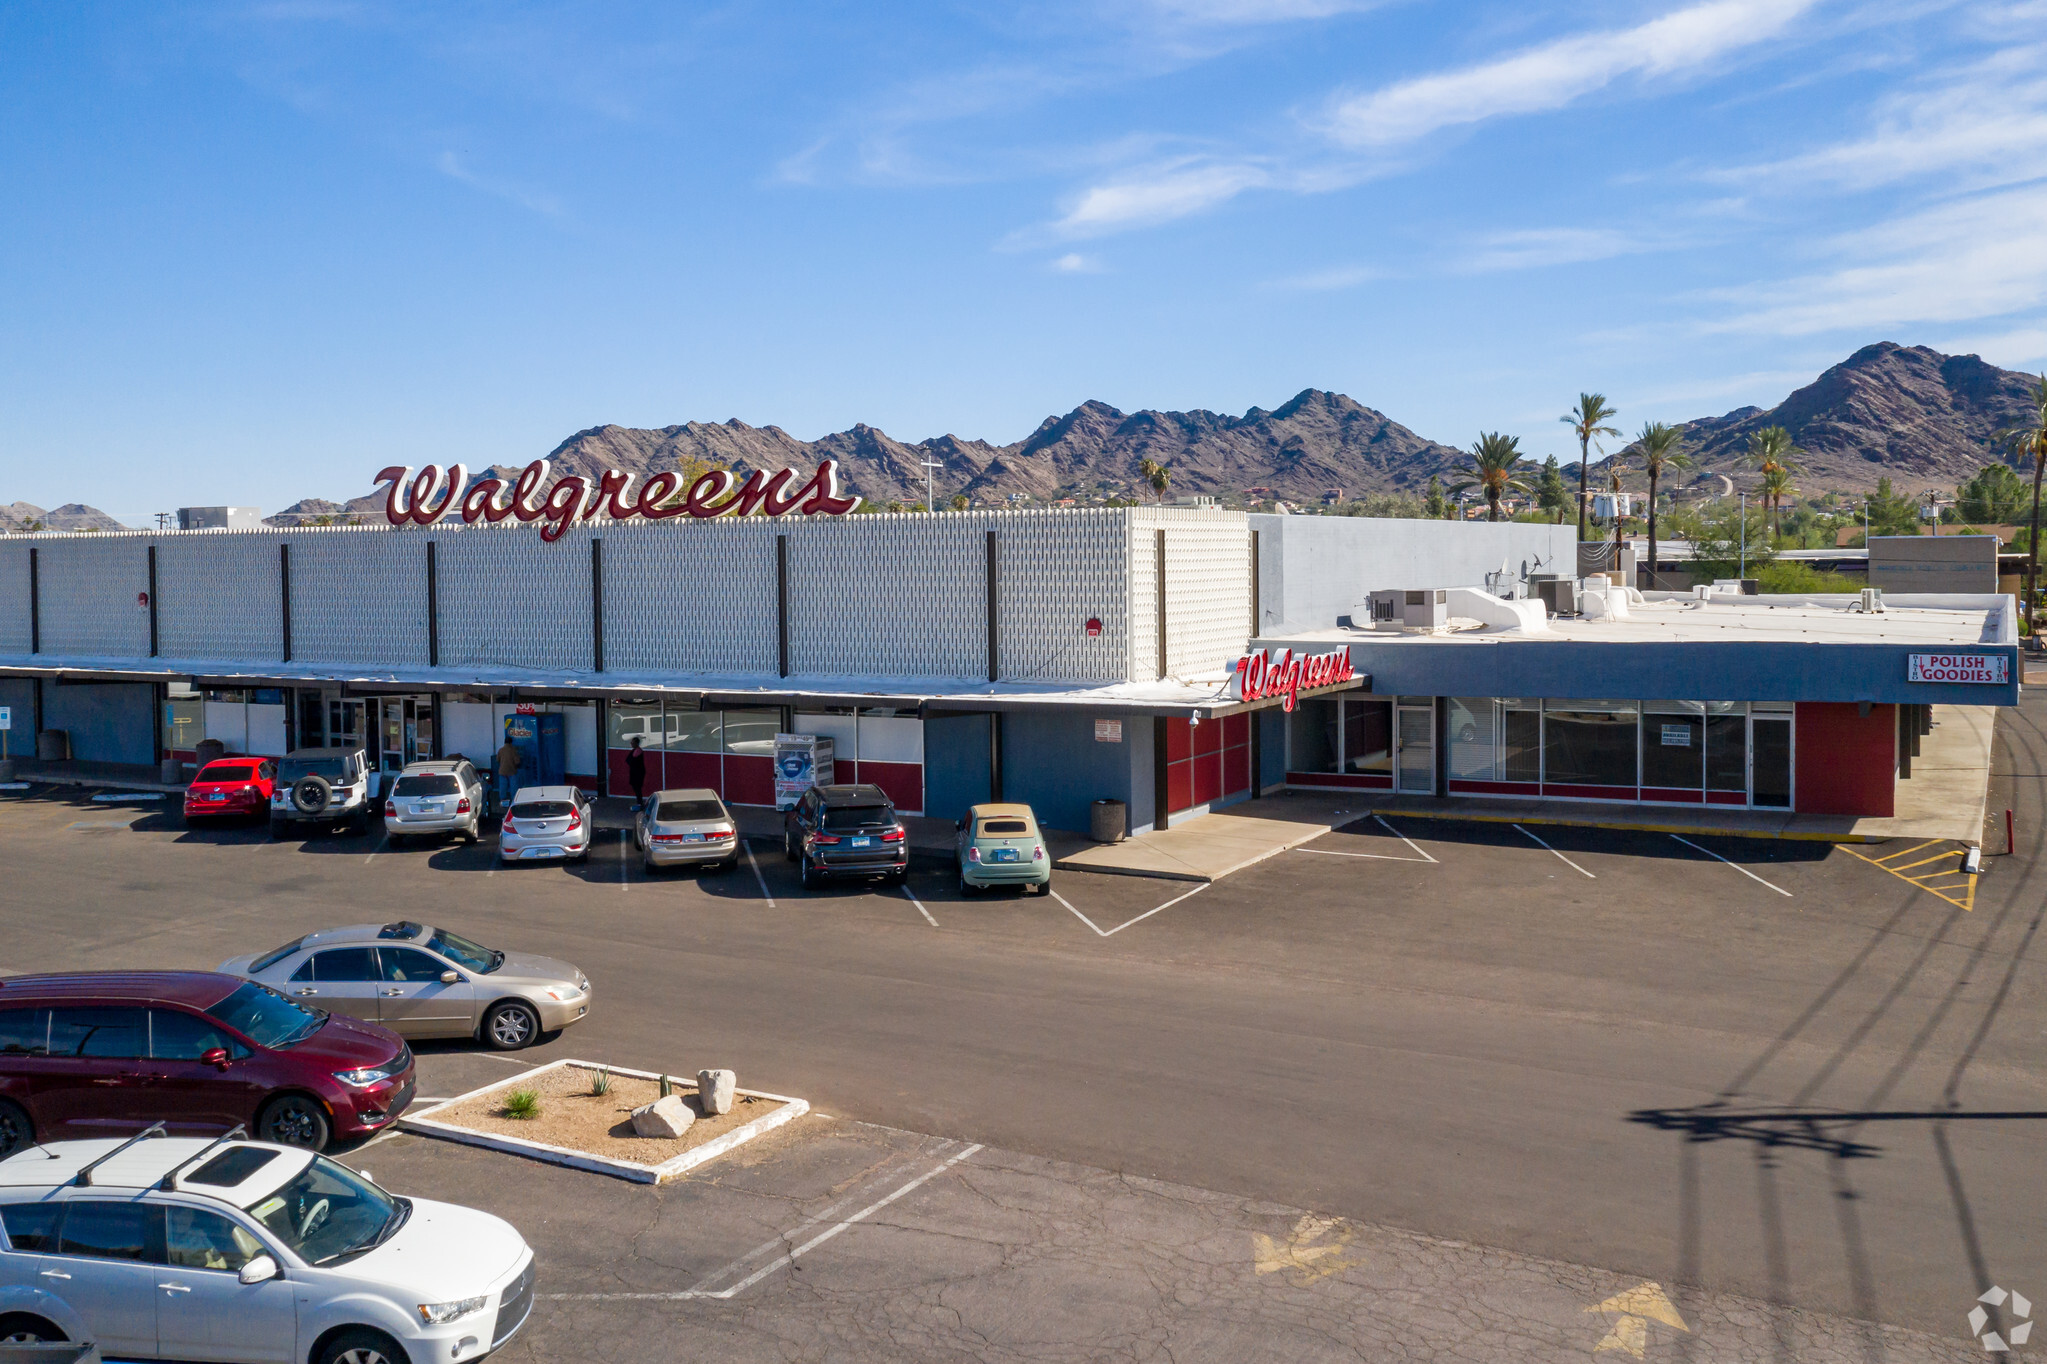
(1909, 413)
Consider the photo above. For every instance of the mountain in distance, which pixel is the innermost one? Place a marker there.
(70, 516)
(1906, 413)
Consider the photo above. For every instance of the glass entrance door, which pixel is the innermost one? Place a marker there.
(1416, 727)
(345, 724)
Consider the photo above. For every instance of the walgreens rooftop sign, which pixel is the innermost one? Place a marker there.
(1285, 674)
(429, 496)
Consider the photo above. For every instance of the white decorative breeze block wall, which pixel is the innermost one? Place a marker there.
(1208, 587)
(507, 598)
(1056, 570)
(358, 597)
(90, 585)
(15, 634)
(696, 597)
(219, 596)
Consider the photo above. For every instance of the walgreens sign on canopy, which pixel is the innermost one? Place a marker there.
(1284, 674)
(427, 497)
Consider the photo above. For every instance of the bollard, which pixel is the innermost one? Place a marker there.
(2010, 846)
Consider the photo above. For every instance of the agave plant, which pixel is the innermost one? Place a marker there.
(523, 1104)
(600, 1082)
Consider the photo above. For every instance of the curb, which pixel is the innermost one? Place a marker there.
(1632, 826)
(423, 1124)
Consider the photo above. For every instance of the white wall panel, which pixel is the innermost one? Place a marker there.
(579, 740)
(891, 739)
(690, 596)
(228, 721)
(471, 729)
(1208, 587)
(840, 729)
(266, 730)
(1057, 571)
(358, 597)
(89, 587)
(510, 599)
(889, 595)
(14, 609)
(219, 596)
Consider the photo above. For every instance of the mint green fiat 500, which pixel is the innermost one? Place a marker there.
(999, 845)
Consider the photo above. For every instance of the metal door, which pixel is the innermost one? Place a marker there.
(1416, 726)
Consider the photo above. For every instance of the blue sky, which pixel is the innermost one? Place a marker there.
(254, 252)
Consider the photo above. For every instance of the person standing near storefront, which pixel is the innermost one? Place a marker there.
(509, 759)
(636, 771)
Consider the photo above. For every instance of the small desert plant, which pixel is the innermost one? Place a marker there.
(522, 1104)
(667, 1087)
(600, 1082)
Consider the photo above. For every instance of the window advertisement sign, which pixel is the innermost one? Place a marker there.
(1986, 668)
(801, 762)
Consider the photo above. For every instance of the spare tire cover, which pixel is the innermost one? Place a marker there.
(311, 795)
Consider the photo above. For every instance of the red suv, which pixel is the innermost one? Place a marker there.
(104, 1053)
(231, 786)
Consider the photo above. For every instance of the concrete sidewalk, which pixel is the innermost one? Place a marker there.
(1211, 846)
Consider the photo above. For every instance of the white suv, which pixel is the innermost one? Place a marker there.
(321, 786)
(233, 1250)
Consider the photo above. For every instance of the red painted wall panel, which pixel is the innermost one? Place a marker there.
(749, 780)
(1236, 729)
(689, 770)
(1208, 776)
(1179, 739)
(1207, 738)
(1846, 762)
(1179, 783)
(903, 783)
(1236, 769)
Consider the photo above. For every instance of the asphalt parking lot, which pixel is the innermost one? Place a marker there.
(1524, 1069)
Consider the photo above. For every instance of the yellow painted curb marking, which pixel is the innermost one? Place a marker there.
(1906, 852)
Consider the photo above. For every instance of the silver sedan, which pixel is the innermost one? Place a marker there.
(686, 828)
(421, 981)
(547, 822)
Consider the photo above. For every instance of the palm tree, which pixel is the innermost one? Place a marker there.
(2027, 439)
(1156, 474)
(1586, 423)
(1493, 458)
(1769, 452)
(1776, 486)
(1659, 442)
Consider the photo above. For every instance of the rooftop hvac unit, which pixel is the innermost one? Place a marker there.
(1559, 596)
(1427, 609)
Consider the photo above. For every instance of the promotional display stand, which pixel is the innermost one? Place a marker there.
(801, 762)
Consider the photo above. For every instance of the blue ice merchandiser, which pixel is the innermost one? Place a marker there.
(543, 748)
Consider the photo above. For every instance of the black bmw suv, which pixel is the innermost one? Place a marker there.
(846, 831)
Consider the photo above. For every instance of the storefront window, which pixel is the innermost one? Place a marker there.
(626, 721)
(1726, 746)
(1368, 736)
(1474, 756)
(696, 731)
(184, 723)
(1589, 743)
(752, 731)
(1770, 754)
(1674, 744)
(1520, 739)
(1312, 736)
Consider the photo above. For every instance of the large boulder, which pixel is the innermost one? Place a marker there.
(715, 1089)
(666, 1117)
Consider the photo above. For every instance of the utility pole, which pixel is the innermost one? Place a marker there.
(929, 465)
(1742, 572)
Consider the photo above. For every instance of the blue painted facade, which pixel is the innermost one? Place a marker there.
(1694, 670)
(956, 765)
(109, 722)
(1052, 762)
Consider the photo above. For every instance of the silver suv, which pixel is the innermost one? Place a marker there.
(321, 786)
(444, 796)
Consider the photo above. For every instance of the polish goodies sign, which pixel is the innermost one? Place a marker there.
(1992, 668)
(428, 497)
(1260, 675)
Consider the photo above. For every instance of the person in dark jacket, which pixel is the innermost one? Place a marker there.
(636, 771)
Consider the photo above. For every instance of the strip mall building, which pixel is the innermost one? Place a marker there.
(1053, 657)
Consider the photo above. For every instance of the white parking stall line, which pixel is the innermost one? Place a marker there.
(1112, 932)
(382, 844)
(1559, 856)
(622, 859)
(1402, 837)
(758, 879)
(1737, 866)
(920, 907)
(700, 1291)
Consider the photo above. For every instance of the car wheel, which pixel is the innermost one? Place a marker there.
(19, 1328)
(511, 1026)
(1045, 887)
(472, 833)
(967, 888)
(646, 865)
(359, 1346)
(789, 852)
(811, 880)
(16, 1130)
(294, 1120)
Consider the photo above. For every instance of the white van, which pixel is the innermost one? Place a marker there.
(233, 1250)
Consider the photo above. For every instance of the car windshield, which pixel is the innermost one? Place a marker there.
(457, 948)
(265, 1017)
(275, 955)
(291, 769)
(226, 772)
(543, 809)
(677, 811)
(427, 784)
(840, 817)
(329, 1213)
(997, 828)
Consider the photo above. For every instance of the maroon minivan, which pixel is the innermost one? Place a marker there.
(102, 1053)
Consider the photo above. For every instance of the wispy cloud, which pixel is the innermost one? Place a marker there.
(1558, 73)
(1330, 281)
(1534, 248)
(539, 201)
(1073, 263)
(1969, 259)
(1158, 194)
